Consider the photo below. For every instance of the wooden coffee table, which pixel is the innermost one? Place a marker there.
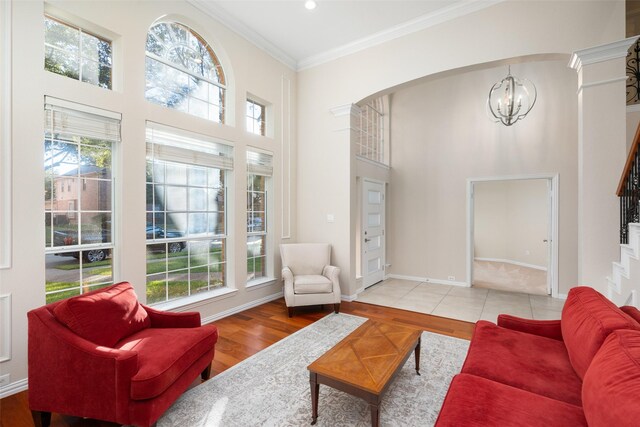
(365, 362)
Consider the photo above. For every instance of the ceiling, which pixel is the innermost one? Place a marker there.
(303, 38)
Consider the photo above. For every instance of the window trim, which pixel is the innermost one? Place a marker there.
(5, 135)
(260, 162)
(81, 29)
(263, 122)
(226, 103)
(52, 105)
(169, 135)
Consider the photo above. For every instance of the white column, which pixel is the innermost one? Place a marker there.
(344, 245)
(601, 157)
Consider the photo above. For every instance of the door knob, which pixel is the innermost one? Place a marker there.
(367, 240)
(545, 241)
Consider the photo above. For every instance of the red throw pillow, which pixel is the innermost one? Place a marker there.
(612, 383)
(588, 317)
(105, 316)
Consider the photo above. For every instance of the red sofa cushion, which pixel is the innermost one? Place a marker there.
(587, 319)
(612, 382)
(473, 401)
(160, 368)
(105, 316)
(633, 312)
(526, 361)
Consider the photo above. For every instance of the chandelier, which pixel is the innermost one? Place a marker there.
(511, 99)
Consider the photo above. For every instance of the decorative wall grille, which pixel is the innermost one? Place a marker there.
(633, 72)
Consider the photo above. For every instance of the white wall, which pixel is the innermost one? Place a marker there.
(248, 69)
(511, 221)
(441, 136)
(633, 119)
(507, 30)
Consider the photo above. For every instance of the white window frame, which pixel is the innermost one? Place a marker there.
(170, 145)
(5, 134)
(80, 120)
(260, 162)
(81, 30)
(179, 67)
(262, 129)
(372, 135)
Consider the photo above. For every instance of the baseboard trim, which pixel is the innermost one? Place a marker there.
(242, 307)
(428, 280)
(13, 388)
(348, 298)
(509, 261)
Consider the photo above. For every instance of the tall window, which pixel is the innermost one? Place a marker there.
(256, 117)
(259, 171)
(186, 213)
(75, 53)
(371, 138)
(183, 72)
(78, 145)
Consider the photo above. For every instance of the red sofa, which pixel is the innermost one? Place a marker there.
(103, 355)
(582, 370)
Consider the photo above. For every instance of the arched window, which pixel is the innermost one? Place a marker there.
(183, 72)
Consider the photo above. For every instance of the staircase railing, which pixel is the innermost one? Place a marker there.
(629, 189)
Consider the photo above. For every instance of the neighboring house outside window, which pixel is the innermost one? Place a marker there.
(183, 72)
(259, 172)
(187, 177)
(71, 51)
(78, 145)
(256, 118)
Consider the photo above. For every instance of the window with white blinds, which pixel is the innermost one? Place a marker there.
(259, 172)
(186, 225)
(78, 197)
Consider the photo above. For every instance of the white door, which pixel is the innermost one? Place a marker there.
(372, 232)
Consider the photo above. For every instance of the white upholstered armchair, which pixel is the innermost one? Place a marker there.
(308, 277)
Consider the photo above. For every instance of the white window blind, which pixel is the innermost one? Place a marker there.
(66, 118)
(260, 163)
(167, 144)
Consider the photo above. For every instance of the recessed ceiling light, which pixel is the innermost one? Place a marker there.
(310, 4)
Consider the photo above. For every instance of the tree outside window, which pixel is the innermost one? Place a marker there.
(183, 73)
(71, 51)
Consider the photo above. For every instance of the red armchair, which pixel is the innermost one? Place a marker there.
(102, 355)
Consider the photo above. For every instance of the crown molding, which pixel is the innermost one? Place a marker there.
(456, 10)
(345, 110)
(229, 21)
(602, 53)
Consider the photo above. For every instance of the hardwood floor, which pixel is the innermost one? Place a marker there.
(246, 333)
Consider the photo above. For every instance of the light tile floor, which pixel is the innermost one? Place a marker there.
(470, 304)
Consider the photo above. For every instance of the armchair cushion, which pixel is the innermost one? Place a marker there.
(159, 368)
(306, 258)
(587, 319)
(312, 284)
(104, 316)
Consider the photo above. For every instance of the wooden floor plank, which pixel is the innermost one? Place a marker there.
(246, 333)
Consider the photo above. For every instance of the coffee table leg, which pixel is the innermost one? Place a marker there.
(375, 414)
(418, 357)
(315, 391)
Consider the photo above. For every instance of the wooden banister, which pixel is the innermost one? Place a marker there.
(629, 164)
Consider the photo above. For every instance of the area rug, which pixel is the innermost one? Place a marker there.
(271, 388)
